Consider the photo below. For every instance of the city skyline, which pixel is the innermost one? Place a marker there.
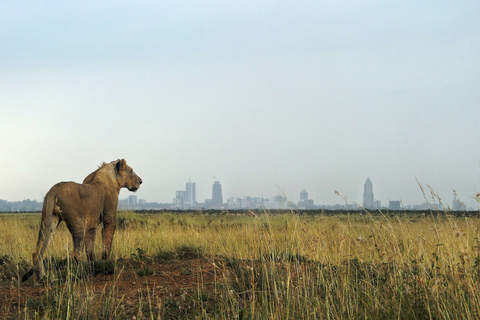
(277, 201)
(187, 199)
(305, 202)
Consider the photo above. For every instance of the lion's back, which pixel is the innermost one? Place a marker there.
(71, 196)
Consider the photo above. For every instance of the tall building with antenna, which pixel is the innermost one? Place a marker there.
(368, 202)
(217, 198)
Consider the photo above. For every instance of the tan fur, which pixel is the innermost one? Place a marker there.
(83, 207)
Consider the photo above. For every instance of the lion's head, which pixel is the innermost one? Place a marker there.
(126, 177)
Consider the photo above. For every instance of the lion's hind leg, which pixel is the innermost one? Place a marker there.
(90, 243)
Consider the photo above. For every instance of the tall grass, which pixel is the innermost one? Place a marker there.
(283, 266)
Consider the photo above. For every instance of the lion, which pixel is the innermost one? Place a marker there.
(83, 207)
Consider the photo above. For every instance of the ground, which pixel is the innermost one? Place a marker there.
(154, 287)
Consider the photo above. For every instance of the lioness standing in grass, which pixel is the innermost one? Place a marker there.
(83, 207)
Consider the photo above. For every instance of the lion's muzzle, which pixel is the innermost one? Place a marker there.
(137, 184)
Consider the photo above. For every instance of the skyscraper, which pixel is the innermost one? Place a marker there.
(368, 195)
(303, 195)
(217, 199)
(190, 196)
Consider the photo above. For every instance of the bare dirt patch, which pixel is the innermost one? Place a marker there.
(173, 289)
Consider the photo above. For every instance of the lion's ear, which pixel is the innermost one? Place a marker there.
(120, 165)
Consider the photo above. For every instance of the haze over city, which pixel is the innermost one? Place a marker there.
(266, 97)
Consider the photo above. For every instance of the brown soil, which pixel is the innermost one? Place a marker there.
(178, 283)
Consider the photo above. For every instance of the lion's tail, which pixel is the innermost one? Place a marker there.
(47, 218)
(43, 236)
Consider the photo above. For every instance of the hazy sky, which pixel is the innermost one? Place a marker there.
(269, 97)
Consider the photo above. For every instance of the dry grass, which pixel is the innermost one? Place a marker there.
(278, 266)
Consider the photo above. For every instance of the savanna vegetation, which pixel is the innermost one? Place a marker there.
(252, 266)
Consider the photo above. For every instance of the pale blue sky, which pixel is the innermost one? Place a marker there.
(267, 96)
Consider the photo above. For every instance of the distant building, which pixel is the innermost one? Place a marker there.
(394, 205)
(368, 202)
(179, 200)
(123, 204)
(208, 203)
(457, 205)
(246, 202)
(303, 195)
(256, 202)
(304, 202)
(217, 198)
(190, 195)
(132, 201)
(231, 204)
(279, 198)
(278, 202)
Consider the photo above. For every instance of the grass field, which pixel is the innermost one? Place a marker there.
(252, 266)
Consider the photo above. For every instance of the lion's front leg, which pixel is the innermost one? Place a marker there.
(109, 226)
